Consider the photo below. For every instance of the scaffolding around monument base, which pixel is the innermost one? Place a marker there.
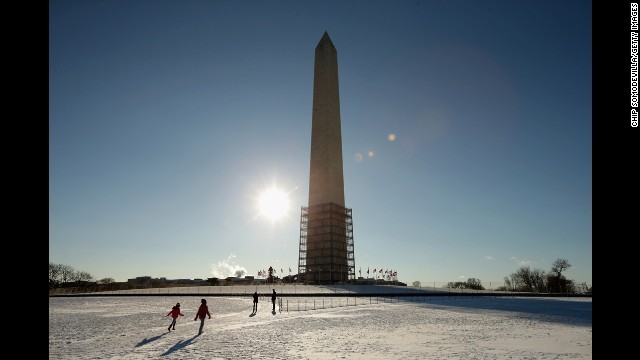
(326, 244)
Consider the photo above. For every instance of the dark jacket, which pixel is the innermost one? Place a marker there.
(203, 311)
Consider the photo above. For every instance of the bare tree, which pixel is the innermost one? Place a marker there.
(507, 283)
(555, 280)
(54, 275)
(527, 279)
(559, 266)
(515, 281)
(66, 273)
(82, 276)
(538, 280)
(475, 284)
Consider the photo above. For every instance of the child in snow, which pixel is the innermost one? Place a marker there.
(175, 312)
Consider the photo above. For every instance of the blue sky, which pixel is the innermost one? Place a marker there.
(168, 119)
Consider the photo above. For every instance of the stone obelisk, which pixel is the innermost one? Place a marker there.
(326, 231)
(326, 182)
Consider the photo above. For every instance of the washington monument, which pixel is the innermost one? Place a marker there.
(326, 229)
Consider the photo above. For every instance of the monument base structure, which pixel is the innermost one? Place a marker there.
(326, 244)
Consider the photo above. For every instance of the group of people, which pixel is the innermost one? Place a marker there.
(203, 312)
(255, 301)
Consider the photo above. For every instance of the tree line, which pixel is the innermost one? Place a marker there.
(535, 280)
(61, 275)
(526, 279)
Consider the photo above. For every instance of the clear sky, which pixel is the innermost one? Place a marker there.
(169, 119)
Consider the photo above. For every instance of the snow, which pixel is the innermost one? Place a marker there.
(321, 327)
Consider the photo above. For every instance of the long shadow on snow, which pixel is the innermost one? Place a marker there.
(179, 345)
(552, 310)
(146, 341)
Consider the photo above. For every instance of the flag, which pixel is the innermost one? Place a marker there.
(281, 270)
(360, 271)
(367, 271)
(289, 269)
(374, 271)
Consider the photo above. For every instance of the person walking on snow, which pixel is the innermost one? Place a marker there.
(203, 311)
(273, 300)
(255, 302)
(175, 312)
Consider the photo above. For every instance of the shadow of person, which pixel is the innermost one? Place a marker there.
(146, 341)
(179, 345)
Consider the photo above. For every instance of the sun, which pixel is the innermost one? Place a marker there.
(273, 203)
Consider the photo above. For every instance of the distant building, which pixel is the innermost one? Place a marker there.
(148, 281)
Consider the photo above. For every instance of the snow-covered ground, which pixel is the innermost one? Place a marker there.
(135, 327)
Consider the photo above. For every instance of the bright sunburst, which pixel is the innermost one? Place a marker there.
(273, 203)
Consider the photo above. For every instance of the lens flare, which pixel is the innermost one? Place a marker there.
(273, 203)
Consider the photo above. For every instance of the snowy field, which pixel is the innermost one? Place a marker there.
(135, 327)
